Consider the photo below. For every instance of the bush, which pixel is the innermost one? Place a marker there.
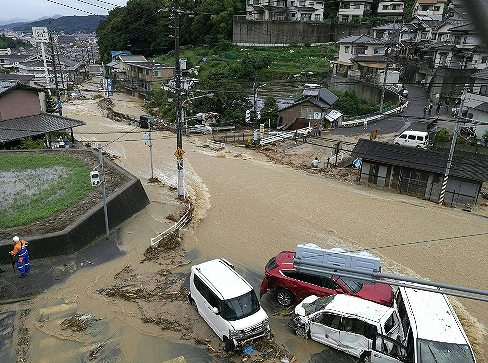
(442, 135)
(485, 138)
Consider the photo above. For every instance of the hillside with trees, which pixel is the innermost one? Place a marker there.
(64, 24)
(146, 26)
(6, 42)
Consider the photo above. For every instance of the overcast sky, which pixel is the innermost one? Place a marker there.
(35, 9)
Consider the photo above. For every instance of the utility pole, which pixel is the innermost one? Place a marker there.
(60, 69)
(53, 62)
(102, 179)
(451, 151)
(388, 52)
(179, 137)
(148, 142)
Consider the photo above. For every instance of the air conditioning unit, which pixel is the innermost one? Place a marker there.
(313, 259)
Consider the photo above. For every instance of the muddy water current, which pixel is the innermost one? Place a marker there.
(248, 209)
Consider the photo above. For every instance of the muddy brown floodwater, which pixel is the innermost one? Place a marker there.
(247, 209)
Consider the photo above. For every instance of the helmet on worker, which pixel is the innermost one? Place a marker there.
(16, 239)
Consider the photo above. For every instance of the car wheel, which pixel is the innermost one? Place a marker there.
(193, 303)
(284, 297)
(365, 357)
(228, 345)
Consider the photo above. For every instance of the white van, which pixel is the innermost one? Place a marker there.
(346, 323)
(432, 330)
(227, 303)
(418, 139)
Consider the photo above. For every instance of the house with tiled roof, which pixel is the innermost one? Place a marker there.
(420, 172)
(308, 111)
(360, 53)
(23, 113)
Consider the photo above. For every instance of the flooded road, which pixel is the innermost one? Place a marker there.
(248, 210)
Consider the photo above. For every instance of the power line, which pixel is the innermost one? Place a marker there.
(90, 4)
(72, 7)
(392, 245)
(107, 3)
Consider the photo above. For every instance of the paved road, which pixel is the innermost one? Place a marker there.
(410, 119)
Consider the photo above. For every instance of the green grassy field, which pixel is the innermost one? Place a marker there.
(38, 186)
(279, 63)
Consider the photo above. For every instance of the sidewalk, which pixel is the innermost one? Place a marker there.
(46, 272)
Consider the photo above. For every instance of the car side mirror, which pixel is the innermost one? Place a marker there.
(215, 310)
(339, 291)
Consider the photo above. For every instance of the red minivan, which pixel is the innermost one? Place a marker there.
(292, 287)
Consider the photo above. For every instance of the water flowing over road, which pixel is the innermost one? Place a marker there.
(248, 209)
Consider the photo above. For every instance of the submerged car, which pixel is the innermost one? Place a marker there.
(349, 324)
(291, 286)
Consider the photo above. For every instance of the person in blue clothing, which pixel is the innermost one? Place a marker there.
(22, 255)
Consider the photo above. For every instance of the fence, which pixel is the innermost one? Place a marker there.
(185, 218)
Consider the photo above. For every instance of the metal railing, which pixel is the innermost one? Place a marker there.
(359, 120)
(185, 218)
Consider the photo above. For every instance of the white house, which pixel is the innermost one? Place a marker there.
(350, 10)
(476, 101)
(296, 10)
(361, 50)
(429, 7)
(392, 8)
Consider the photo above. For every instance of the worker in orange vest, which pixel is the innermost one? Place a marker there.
(20, 253)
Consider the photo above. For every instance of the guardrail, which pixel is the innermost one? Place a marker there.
(185, 218)
(373, 117)
(280, 136)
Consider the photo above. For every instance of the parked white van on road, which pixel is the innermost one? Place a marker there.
(418, 139)
(227, 303)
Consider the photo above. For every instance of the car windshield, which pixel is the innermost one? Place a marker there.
(240, 307)
(440, 352)
(354, 286)
(317, 305)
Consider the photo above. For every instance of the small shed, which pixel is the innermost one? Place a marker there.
(420, 172)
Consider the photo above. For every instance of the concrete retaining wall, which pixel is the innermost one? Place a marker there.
(279, 33)
(128, 200)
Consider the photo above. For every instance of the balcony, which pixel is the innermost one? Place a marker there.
(351, 11)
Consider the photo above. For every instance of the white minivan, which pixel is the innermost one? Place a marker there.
(419, 139)
(431, 328)
(346, 323)
(228, 303)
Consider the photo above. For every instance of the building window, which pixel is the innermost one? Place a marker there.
(483, 59)
(484, 90)
(311, 3)
(156, 73)
(317, 16)
(347, 48)
(292, 3)
(437, 8)
(293, 15)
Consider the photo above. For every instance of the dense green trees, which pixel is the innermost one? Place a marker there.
(6, 42)
(146, 26)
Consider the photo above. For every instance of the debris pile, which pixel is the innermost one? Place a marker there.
(95, 351)
(168, 243)
(78, 322)
(128, 293)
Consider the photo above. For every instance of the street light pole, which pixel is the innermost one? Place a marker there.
(451, 150)
(179, 114)
(102, 179)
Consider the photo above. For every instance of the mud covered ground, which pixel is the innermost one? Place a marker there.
(162, 299)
